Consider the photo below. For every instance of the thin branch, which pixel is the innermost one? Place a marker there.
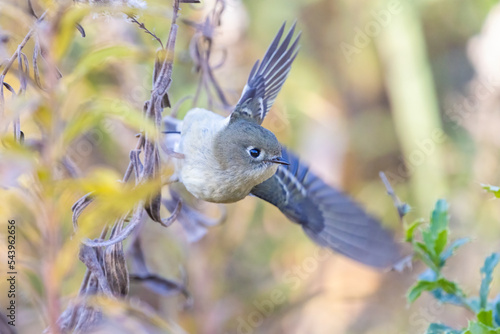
(146, 30)
(166, 222)
(36, 71)
(148, 143)
(89, 257)
(200, 50)
(22, 45)
(403, 208)
(134, 222)
(130, 167)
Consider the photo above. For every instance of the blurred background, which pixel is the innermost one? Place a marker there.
(410, 88)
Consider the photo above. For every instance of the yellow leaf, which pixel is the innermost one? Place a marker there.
(67, 30)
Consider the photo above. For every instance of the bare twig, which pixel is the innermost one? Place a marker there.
(88, 256)
(150, 280)
(201, 51)
(147, 143)
(23, 72)
(166, 222)
(146, 30)
(36, 71)
(134, 222)
(401, 207)
(11, 60)
(130, 167)
(110, 258)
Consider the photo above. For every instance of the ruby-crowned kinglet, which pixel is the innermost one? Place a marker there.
(226, 159)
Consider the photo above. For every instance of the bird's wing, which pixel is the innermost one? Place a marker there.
(328, 216)
(267, 78)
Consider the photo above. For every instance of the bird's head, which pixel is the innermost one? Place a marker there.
(248, 149)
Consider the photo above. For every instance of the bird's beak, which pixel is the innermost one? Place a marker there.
(279, 160)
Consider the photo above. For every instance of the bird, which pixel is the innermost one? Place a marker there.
(225, 159)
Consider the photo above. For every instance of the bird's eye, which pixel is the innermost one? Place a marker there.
(254, 152)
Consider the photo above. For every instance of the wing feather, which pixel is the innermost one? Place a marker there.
(328, 217)
(267, 77)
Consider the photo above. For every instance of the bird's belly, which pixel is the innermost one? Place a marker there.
(212, 188)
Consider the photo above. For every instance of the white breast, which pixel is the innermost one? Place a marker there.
(199, 171)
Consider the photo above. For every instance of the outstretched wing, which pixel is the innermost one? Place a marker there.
(327, 216)
(266, 79)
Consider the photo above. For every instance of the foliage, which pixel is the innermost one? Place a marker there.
(78, 129)
(66, 101)
(431, 245)
(495, 190)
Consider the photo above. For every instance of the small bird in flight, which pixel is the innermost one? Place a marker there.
(225, 159)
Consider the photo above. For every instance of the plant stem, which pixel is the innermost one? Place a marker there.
(21, 46)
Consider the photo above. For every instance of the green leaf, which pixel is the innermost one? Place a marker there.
(441, 329)
(411, 230)
(479, 328)
(66, 32)
(429, 241)
(421, 286)
(439, 217)
(441, 241)
(449, 287)
(436, 236)
(425, 255)
(495, 305)
(492, 189)
(448, 298)
(487, 275)
(485, 317)
(441, 284)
